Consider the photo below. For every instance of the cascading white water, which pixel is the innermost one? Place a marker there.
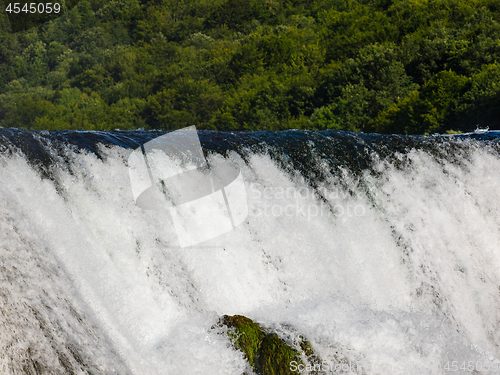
(401, 276)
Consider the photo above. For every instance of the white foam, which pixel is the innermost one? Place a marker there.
(410, 281)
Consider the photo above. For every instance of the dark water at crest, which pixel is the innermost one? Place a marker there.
(294, 149)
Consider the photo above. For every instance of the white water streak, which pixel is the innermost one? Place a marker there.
(409, 277)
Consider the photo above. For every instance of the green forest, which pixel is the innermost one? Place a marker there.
(385, 66)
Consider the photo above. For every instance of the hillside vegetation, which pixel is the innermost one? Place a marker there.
(389, 66)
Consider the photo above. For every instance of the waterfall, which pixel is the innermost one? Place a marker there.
(384, 251)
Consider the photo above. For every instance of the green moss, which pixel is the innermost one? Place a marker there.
(245, 334)
(308, 350)
(265, 352)
(306, 347)
(275, 356)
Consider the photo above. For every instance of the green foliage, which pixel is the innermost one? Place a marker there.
(448, 100)
(238, 14)
(345, 32)
(400, 66)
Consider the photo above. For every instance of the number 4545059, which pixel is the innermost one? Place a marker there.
(470, 366)
(33, 8)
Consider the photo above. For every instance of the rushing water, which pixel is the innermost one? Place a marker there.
(381, 250)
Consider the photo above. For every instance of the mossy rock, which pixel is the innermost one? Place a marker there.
(265, 351)
(245, 334)
(306, 347)
(275, 356)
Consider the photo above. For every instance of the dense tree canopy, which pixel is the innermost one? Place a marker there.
(392, 66)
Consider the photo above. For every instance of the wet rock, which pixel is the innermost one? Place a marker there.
(265, 351)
